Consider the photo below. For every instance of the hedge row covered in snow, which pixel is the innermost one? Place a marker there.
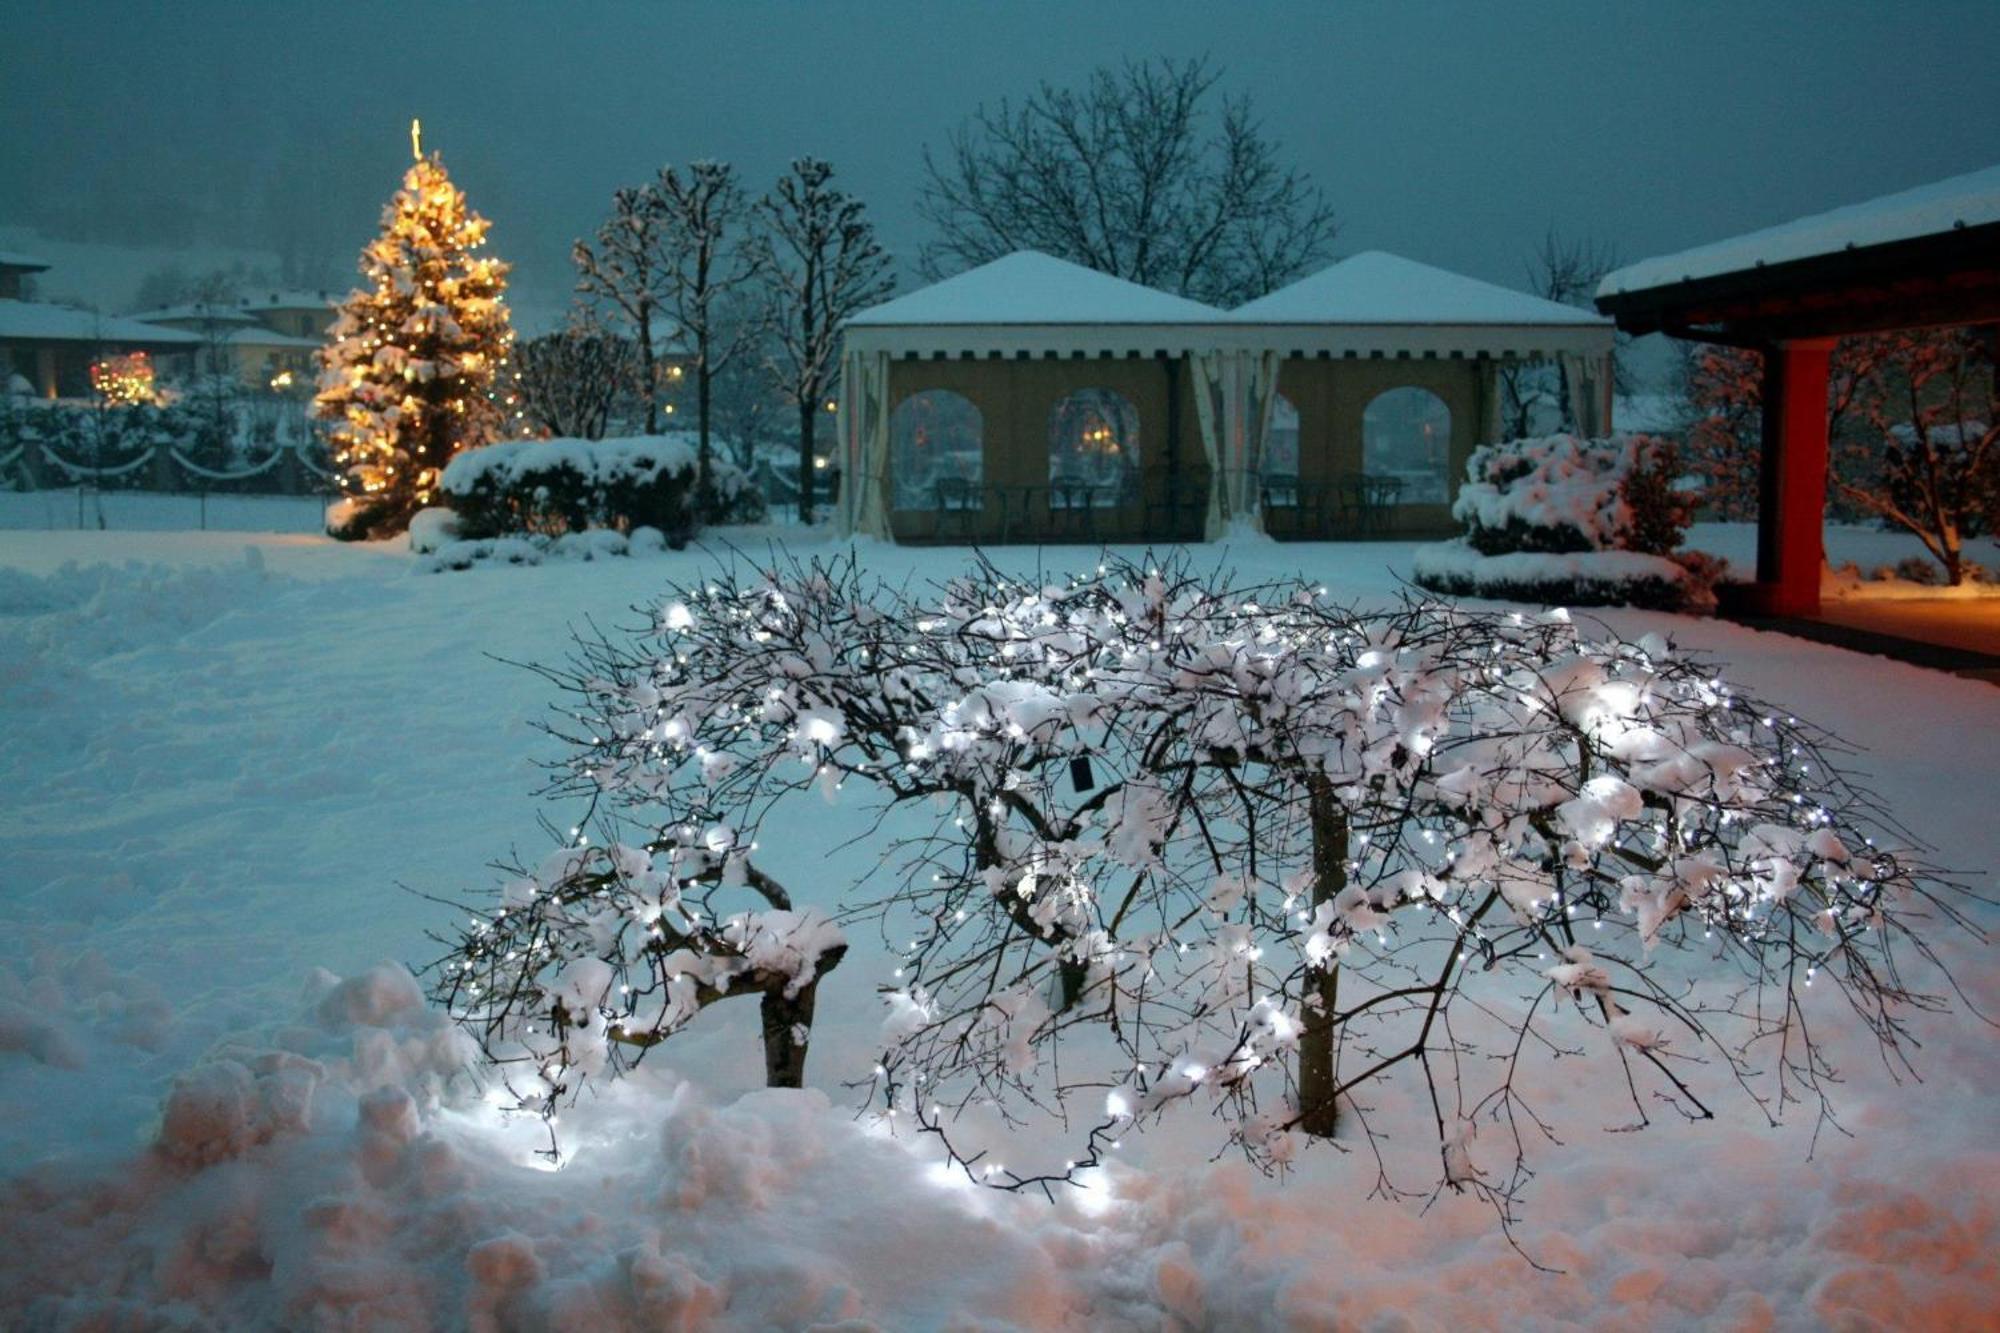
(562, 485)
(1559, 518)
(1569, 578)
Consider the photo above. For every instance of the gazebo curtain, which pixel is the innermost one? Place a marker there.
(864, 430)
(1234, 395)
(1212, 402)
(1259, 398)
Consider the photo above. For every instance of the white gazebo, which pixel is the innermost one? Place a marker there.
(959, 417)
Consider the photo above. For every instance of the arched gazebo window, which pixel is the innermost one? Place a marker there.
(1093, 450)
(1406, 435)
(1281, 440)
(937, 452)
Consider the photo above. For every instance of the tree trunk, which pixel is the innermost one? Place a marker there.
(807, 480)
(1074, 975)
(787, 1029)
(1317, 1105)
(702, 379)
(646, 372)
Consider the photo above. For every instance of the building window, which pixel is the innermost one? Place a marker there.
(937, 452)
(1093, 450)
(1406, 436)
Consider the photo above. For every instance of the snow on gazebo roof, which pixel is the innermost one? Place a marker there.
(1028, 287)
(26, 263)
(1964, 201)
(41, 321)
(1378, 288)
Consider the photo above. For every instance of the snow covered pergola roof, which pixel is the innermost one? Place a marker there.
(42, 322)
(1379, 304)
(1029, 303)
(1925, 256)
(1947, 205)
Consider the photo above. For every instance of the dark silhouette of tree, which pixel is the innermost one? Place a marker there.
(1140, 174)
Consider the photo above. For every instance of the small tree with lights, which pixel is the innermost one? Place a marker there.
(1149, 841)
(409, 376)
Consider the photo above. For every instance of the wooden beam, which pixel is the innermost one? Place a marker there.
(1791, 500)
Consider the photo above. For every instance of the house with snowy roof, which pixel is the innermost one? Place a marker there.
(252, 344)
(1031, 399)
(47, 350)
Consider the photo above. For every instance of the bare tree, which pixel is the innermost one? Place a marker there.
(629, 270)
(1136, 175)
(1931, 411)
(1565, 270)
(711, 260)
(571, 381)
(825, 265)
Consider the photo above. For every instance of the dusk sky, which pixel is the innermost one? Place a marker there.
(1454, 134)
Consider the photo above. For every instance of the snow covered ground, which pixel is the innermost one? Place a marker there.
(223, 1102)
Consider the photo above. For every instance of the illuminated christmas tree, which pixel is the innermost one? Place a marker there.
(408, 378)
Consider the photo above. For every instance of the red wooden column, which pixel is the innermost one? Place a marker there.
(1791, 500)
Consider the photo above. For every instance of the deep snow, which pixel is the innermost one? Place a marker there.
(221, 1102)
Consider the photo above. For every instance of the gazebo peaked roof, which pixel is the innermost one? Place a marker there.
(1379, 304)
(1925, 256)
(1376, 287)
(1028, 287)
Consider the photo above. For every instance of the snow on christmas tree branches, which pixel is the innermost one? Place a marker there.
(408, 377)
(1148, 841)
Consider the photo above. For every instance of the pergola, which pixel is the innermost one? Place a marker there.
(1923, 258)
(1014, 334)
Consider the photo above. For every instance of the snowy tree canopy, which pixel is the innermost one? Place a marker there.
(1161, 842)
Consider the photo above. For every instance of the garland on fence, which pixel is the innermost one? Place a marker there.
(79, 470)
(186, 464)
(257, 471)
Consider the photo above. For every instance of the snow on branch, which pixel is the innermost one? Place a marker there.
(1164, 843)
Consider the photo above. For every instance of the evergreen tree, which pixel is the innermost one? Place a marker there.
(408, 376)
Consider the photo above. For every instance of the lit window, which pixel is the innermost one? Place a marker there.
(1093, 450)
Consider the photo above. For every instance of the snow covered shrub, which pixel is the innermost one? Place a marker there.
(1161, 842)
(1567, 520)
(1565, 493)
(558, 486)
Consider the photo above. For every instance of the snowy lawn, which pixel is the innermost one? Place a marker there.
(222, 764)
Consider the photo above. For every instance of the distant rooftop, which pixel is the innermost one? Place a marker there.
(194, 310)
(21, 262)
(1955, 204)
(1375, 287)
(42, 321)
(287, 298)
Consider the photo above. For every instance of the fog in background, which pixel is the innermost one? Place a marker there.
(1454, 134)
